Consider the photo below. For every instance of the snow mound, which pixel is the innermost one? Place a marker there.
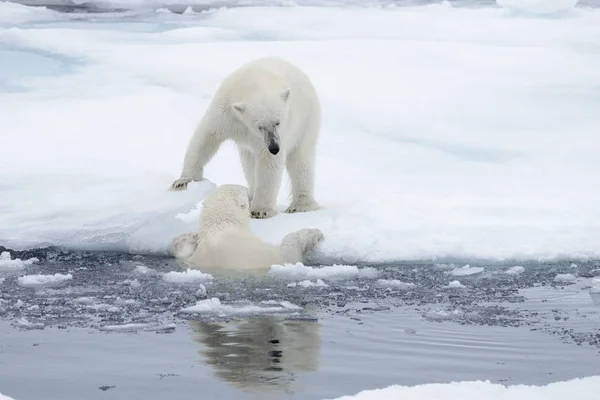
(455, 285)
(516, 270)
(188, 276)
(7, 263)
(301, 272)
(12, 14)
(214, 306)
(565, 278)
(394, 283)
(466, 270)
(3, 397)
(43, 280)
(580, 389)
(538, 7)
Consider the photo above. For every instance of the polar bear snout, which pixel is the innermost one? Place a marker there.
(274, 148)
(272, 139)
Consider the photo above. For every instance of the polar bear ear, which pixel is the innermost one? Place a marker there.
(239, 107)
(285, 95)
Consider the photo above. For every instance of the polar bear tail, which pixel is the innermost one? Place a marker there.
(296, 244)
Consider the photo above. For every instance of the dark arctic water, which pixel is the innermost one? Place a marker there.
(115, 331)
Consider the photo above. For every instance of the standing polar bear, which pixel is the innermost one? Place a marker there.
(271, 110)
(224, 240)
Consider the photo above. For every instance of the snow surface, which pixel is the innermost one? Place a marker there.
(539, 7)
(214, 306)
(580, 389)
(2, 397)
(43, 280)
(187, 276)
(447, 131)
(300, 271)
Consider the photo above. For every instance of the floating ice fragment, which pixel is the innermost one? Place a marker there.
(516, 270)
(8, 264)
(466, 270)
(306, 284)
(43, 280)
(190, 275)
(394, 283)
(214, 306)
(299, 271)
(455, 285)
(142, 269)
(564, 278)
(201, 292)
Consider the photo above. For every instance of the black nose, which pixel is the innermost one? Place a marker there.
(274, 148)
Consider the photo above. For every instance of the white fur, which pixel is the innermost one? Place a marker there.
(225, 241)
(265, 101)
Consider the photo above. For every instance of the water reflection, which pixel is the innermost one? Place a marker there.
(259, 354)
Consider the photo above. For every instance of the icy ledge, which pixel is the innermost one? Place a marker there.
(580, 389)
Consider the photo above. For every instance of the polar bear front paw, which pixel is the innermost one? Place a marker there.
(180, 184)
(262, 213)
(313, 237)
(302, 206)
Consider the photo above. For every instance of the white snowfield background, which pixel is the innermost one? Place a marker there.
(448, 132)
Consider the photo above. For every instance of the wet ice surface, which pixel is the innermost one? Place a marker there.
(119, 329)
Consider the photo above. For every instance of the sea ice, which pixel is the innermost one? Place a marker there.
(187, 276)
(43, 280)
(214, 306)
(580, 389)
(466, 270)
(300, 271)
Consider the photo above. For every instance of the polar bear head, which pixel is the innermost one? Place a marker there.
(263, 114)
(227, 205)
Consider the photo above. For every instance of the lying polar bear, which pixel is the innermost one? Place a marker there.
(225, 241)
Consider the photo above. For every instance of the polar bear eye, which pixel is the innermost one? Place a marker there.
(277, 123)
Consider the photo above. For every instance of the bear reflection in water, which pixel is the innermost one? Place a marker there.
(259, 354)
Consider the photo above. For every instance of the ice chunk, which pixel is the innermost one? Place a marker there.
(466, 270)
(8, 264)
(43, 280)
(301, 272)
(306, 284)
(455, 285)
(565, 278)
(142, 269)
(516, 270)
(201, 292)
(188, 276)
(395, 283)
(214, 306)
